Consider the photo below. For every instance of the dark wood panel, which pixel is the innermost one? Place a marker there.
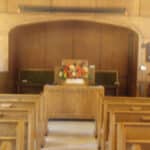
(6, 83)
(114, 53)
(58, 43)
(87, 42)
(45, 45)
(31, 46)
(132, 69)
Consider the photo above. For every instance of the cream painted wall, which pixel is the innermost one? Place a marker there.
(145, 7)
(3, 5)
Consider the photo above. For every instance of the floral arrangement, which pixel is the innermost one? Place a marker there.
(73, 71)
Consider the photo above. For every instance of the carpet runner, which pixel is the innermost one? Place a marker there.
(71, 135)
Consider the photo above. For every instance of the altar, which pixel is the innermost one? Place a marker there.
(73, 101)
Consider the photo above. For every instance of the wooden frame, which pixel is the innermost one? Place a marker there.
(124, 116)
(19, 138)
(33, 106)
(147, 52)
(14, 114)
(117, 10)
(133, 133)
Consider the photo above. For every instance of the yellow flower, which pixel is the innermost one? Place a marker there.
(65, 75)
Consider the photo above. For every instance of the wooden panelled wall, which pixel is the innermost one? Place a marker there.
(45, 45)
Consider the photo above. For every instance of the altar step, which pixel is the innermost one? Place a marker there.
(83, 128)
(71, 135)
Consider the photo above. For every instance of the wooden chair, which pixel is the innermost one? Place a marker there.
(109, 79)
(33, 80)
(133, 133)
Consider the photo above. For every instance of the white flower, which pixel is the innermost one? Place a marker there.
(72, 67)
(85, 69)
(60, 74)
(73, 74)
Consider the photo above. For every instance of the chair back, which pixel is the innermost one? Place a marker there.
(106, 78)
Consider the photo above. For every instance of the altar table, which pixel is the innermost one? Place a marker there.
(73, 101)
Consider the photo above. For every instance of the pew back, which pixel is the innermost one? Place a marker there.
(122, 104)
(12, 134)
(124, 116)
(133, 133)
(25, 107)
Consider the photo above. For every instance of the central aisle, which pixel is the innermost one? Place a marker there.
(71, 135)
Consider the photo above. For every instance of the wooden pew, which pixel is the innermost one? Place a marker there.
(12, 134)
(43, 114)
(136, 147)
(124, 116)
(133, 133)
(31, 104)
(120, 103)
(6, 146)
(22, 113)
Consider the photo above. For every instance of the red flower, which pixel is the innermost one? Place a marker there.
(74, 71)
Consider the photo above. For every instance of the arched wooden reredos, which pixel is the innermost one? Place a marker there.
(44, 45)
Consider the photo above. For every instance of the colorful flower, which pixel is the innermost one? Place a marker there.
(73, 71)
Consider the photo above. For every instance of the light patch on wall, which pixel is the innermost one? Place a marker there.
(3, 60)
(143, 67)
(3, 63)
(4, 53)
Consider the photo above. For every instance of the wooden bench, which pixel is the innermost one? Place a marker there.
(12, 131)
(29, 107)
(136, 135)
(125, 117)
(22, 113)
(6, 146)
(35, 110)
(116, 104)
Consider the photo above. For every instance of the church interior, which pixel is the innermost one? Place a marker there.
(74, 75)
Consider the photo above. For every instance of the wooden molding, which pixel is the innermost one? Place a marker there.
(29, 8)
